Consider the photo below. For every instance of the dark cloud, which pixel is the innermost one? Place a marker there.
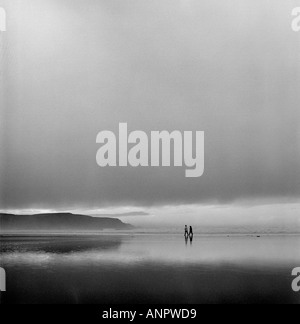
(72, 69)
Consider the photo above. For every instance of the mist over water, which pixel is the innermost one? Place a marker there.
(140, 268)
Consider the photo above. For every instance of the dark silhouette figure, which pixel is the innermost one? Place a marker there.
(191, 234)
(186, 233)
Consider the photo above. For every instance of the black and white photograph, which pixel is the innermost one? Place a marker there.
(149, 154)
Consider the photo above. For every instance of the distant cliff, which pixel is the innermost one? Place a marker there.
(59, 222)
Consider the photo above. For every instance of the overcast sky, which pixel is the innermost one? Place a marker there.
(72, 68)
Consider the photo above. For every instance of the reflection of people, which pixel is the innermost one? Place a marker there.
(186, 233)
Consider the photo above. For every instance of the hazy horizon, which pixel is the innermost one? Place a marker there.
(205, 220)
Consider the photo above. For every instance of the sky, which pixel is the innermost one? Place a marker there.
(73, 68)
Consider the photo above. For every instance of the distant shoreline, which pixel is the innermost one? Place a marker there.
(59, 223)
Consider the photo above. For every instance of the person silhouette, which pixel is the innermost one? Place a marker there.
(191, 234)
(186, 233)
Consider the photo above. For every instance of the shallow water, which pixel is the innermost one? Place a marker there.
(124, 269)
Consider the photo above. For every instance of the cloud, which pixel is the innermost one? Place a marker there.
(157, 66)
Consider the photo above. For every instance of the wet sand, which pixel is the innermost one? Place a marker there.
(149, 269)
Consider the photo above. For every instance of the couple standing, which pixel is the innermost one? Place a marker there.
(188, 233)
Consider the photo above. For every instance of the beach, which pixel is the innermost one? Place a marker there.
(149, 269)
